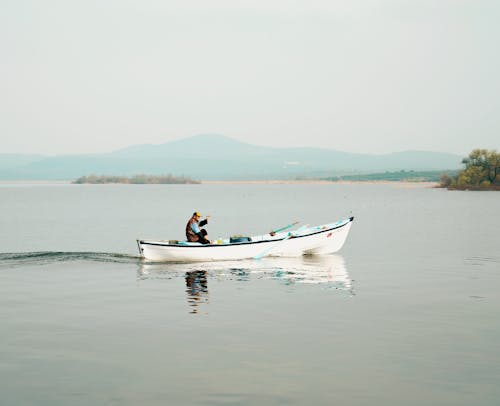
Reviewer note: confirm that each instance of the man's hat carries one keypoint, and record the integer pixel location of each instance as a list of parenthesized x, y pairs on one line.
[(197, 213)]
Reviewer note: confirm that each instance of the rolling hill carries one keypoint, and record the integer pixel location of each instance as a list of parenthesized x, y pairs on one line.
[(216, 157)]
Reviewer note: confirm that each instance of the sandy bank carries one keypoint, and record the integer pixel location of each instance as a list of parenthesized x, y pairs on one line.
[(399, 184), (321, 182)]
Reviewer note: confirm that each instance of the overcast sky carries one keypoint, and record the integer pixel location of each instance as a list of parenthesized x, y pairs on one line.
[(353, 75)]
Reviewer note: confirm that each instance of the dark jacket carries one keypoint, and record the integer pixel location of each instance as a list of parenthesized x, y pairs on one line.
[(190, 234)]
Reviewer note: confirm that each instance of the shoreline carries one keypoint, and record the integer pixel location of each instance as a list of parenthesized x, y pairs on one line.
[(406, 184), (401, 183)]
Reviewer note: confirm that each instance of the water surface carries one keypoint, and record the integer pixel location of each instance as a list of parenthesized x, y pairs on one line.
[(406, 313)]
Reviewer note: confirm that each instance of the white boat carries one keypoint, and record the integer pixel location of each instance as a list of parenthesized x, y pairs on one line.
[(318, 240)]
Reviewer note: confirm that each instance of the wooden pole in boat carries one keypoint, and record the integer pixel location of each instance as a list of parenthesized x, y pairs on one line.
[(273, 232)]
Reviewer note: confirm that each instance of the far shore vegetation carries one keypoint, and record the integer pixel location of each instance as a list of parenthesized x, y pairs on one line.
[(397, 176), (136, 179), (481, 172)]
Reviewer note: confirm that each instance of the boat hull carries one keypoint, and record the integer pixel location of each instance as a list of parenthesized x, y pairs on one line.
[(319, 240)]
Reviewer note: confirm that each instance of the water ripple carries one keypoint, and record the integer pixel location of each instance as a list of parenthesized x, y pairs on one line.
[(480, 260), (329, 271), (16, 259)]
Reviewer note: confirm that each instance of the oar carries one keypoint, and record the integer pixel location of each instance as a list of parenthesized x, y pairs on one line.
[(273, 232), (279, 242)]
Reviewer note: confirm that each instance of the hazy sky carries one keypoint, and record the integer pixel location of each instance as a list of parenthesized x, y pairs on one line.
[(353, 75)]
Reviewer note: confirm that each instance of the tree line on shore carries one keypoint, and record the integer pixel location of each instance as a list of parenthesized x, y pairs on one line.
[(136, 179), (481, 172), (395, 176)]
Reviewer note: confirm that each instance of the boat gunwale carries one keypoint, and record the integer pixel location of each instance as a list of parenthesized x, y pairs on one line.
[(159, 244)]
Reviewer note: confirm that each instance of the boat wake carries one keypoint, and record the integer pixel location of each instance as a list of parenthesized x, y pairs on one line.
[(477, 260), (329, 270), (9, 260)]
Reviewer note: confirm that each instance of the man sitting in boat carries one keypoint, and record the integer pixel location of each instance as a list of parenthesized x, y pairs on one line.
[(193, 231)]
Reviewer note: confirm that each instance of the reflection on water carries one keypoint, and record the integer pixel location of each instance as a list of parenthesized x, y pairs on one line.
[(328, 272), (196, 289)]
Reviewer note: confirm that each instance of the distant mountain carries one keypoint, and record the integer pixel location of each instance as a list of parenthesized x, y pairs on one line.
[(212, 156), (8, 161)]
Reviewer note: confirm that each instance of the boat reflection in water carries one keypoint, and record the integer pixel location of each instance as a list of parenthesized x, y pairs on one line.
[(196, 289), (328, 271)]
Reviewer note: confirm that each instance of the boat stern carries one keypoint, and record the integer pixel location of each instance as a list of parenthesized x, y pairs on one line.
[(139, 246)]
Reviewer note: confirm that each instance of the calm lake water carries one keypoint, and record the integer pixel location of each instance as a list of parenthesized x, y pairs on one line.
[(407, 313)]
